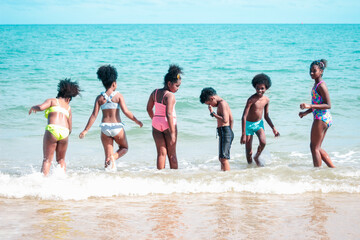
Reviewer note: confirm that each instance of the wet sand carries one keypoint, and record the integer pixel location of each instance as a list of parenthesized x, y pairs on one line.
[(192, 216)]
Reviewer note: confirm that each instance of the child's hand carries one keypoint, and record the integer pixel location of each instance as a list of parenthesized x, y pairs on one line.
[(276, 133), (305, 106), (302, 114), (210, 108), (82, 134), (139, 123), (32, 110), (243, 139)]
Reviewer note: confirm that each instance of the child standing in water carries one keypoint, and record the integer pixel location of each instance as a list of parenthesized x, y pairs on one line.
[(58, 113), (320, 105), (112, 129), (225, 123), (252, 122), (164, 119)]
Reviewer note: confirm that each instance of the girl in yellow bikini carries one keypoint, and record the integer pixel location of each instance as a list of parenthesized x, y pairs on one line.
[(58, 113)]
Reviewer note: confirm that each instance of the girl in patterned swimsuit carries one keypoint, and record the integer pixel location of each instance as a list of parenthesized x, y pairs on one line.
[(164, 119), (319, 106), (58, 113), (111, 126)]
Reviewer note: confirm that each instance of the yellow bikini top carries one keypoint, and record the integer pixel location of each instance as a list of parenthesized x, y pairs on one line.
[(57, 109)]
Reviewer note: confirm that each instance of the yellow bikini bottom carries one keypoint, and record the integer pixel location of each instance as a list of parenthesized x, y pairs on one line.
[(59, 132)]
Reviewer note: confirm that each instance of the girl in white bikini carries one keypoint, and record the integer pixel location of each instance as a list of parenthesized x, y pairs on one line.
[(112, 129)]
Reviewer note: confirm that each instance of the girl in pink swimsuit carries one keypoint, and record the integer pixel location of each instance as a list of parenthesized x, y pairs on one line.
[(319, 106), (164, 119)]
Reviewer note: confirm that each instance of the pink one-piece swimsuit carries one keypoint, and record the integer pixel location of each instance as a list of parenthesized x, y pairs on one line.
[(159, 121)]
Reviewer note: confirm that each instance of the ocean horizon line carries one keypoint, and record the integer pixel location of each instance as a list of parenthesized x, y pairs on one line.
[(47, 24)]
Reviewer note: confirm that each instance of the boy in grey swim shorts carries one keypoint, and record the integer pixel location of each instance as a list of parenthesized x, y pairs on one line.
[(225, 123)]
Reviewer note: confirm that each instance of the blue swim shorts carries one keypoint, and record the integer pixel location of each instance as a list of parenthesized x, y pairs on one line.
[(253, 127)]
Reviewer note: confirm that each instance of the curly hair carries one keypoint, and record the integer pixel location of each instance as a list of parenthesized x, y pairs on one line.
[(322, 63), (206, 93), (107, 74), (68, 89), (173, 74), (261, 79)]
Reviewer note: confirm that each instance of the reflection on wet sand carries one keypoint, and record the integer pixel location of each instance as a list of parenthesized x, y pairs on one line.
[(318, 213), (165, 218), (53, 222), (224, 221), (192, 216)]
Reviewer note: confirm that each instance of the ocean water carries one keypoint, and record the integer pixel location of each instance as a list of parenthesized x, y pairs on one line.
[(34, 57)]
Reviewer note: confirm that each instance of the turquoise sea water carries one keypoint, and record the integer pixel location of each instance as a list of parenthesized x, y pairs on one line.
[(34, 57)]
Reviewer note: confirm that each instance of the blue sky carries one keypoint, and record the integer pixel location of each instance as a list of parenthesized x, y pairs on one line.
[(178, 11)]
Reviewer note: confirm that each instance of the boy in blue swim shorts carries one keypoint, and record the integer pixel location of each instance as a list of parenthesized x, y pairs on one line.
[(252, 122), (225, 123)]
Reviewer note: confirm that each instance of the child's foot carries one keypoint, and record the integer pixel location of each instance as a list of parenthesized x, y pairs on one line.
[(110, 164), (256, 159)]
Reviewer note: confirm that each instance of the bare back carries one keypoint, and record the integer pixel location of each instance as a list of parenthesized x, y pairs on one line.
[(110, 115)]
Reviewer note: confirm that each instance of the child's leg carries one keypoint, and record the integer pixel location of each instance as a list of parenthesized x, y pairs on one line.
[(108, 148), (262, 142), (318, 132), (121, 141), (324, 156), (49, 146), (61, 152), (225, 166), (248, 148), (160, 148), (171, 148)]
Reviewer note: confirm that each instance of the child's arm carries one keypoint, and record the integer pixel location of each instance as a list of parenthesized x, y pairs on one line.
[(223, 115), (92, 118), (243, 121), (127, 112), (40, 107), (170, 101), (268, 120), (150, 105), (70, 121), (302, 114)]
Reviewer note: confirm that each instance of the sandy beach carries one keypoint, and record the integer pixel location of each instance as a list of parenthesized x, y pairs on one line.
[(190, 216)]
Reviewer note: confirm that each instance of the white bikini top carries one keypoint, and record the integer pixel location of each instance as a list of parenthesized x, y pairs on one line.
[(109, 103)]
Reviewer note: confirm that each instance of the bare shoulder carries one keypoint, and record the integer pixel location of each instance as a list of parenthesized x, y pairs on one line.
[(223, 104), (52, 101), (118, 97), (169, 96), (100, 99), (267, 99), (252, 99), (322, 87)]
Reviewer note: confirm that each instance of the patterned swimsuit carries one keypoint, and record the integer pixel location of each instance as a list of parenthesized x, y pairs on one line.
[(321, 114)]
